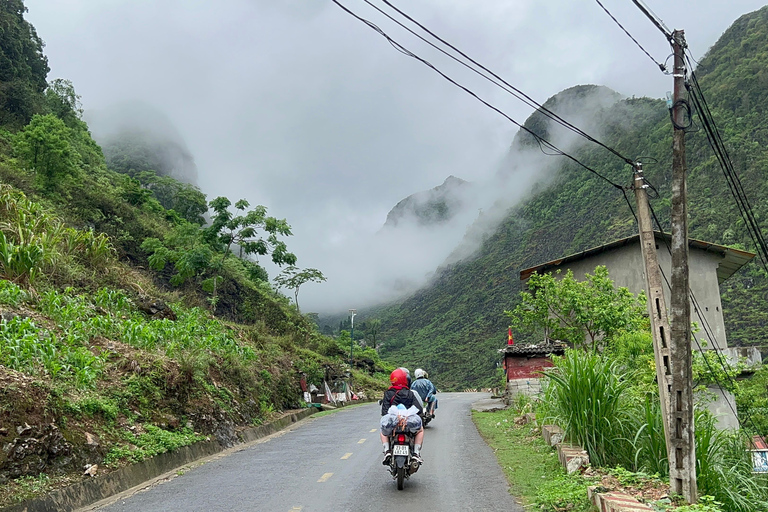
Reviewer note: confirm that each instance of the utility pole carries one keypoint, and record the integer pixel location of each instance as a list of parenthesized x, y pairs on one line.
[(682, 460), (657, 308), (352, 313)]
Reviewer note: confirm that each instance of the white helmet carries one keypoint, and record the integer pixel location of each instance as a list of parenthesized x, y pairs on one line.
[(419, 373)]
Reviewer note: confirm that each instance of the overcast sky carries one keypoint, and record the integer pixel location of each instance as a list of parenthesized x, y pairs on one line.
[(296, 105)]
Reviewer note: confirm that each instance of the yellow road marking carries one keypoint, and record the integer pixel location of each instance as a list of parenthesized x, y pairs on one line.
[(361, 441), (325, 477), (296, 509), (373, 430), (346, 456)]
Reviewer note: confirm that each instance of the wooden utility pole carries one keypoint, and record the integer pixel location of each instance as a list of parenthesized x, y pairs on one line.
[(657, 307), (682, 459)]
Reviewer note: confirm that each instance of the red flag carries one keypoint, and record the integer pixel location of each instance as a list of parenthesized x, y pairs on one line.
[(510, 341)]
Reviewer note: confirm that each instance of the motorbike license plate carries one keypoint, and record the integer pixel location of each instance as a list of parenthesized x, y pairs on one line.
[(400, 449)]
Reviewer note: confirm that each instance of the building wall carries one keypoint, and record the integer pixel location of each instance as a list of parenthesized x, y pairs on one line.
[(525, 367), (530, 387), (626, 268)]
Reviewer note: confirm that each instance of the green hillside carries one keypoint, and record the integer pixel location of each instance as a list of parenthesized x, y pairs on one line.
[(127, 327), (454, 326)]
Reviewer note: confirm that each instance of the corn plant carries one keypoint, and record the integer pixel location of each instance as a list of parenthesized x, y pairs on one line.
[(25, 347), (20, 262), (12, 294)]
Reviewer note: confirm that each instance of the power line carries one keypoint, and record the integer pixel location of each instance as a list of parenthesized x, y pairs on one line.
[(662, 67), (542, 142), (517, 92), (654, 19), (710, 334), (732, 179)]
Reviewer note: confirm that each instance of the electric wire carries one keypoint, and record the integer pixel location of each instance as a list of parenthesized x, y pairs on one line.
[(662, 66), (710, 335), (509, 88), (732, 179), (654, 19), (542, 142)]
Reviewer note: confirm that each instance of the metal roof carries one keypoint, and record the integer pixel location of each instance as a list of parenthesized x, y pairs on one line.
[(733, 259)]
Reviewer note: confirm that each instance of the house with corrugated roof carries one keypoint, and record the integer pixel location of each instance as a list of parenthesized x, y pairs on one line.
[(709, 266)]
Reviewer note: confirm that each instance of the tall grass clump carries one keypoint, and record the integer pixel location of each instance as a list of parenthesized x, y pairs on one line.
[(586, 397), (724, 467), (33, 241)]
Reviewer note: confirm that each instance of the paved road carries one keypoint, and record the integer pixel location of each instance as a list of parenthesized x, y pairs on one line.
[(333, 463)]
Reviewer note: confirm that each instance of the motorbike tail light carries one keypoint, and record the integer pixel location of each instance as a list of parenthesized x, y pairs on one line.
[(401, 438)]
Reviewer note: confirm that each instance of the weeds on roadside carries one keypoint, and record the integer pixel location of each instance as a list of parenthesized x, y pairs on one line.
[(150, 442)]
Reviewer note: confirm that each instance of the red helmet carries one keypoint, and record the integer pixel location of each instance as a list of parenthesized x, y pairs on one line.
[(399, 378)]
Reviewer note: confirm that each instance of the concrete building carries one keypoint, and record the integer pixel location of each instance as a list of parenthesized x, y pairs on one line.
[(709, 265)]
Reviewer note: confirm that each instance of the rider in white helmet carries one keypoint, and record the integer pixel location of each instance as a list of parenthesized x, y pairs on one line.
[(426, 390)]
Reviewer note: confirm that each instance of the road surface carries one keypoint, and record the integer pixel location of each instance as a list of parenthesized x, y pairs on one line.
[(333, 463)]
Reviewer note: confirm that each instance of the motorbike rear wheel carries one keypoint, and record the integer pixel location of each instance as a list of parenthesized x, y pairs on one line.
[(400, 478)]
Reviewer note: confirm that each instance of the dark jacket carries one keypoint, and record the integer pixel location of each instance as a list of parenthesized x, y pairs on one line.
[(403, 396)]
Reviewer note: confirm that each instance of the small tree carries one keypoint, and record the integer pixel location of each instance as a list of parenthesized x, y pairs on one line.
[(374, 326), (44, 145), (227, 230), (582, 313), (293, 277)]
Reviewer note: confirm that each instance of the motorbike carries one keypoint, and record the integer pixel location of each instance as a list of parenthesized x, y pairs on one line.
[(425, 418), (402, 464)]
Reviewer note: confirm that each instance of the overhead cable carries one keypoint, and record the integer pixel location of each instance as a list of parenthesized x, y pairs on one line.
[(732, 178), (654, 19), (542, 142), (509, 88), (662, 66)]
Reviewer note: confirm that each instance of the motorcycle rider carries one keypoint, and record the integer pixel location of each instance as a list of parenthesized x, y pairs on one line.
[(399, 393), (426, 390)]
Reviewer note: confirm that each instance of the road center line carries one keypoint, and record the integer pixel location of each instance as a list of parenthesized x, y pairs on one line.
[(325, 477), (361, 441), (346, 456), (374, 430), (296, 509)]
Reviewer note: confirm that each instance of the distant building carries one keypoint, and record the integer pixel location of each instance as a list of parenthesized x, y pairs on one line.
[(523, 365)]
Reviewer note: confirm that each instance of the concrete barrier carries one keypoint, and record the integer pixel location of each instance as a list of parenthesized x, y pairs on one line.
[(616, 502)]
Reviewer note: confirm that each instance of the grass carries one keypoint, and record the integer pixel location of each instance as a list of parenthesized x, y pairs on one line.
[(148, 442), (530, 465)]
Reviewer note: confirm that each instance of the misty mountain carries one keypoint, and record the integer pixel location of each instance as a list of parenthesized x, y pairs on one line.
[(430, 207), (454, 326), (136, 137)]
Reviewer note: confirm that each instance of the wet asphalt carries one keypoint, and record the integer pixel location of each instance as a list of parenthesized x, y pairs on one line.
[(333, 463)]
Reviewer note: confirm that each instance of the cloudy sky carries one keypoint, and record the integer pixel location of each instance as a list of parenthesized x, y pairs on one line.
[(296, 105)]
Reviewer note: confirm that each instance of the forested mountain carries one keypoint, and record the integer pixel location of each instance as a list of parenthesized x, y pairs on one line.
[(430, 207), (454, 326), (136, 138)]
